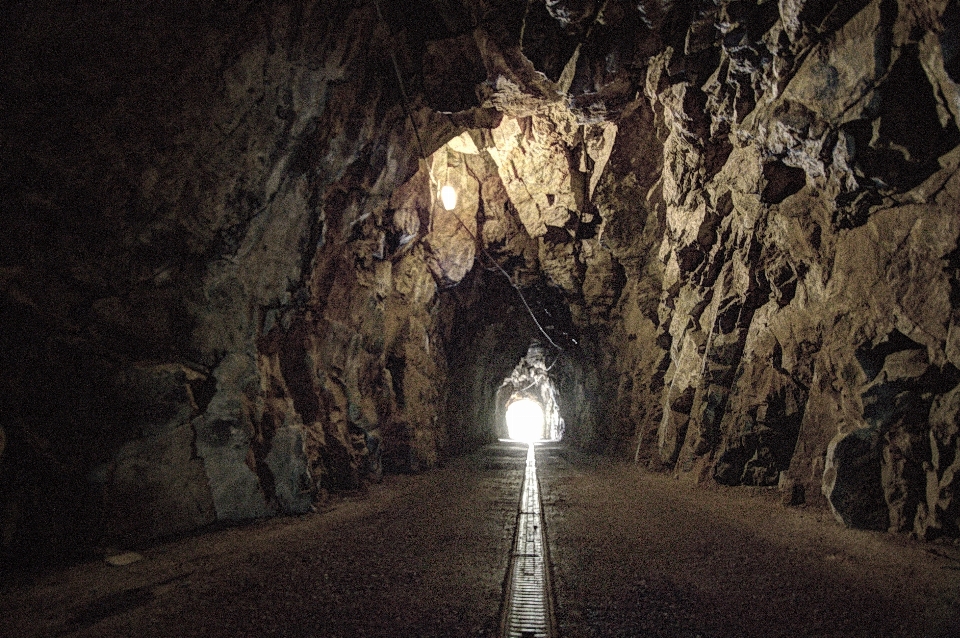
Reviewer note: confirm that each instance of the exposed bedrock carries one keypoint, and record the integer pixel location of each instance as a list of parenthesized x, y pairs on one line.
[(228, 288)]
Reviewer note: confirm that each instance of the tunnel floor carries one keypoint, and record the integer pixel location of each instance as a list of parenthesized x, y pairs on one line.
[(632, 554)]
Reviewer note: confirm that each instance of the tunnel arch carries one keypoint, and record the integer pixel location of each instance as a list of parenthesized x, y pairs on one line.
[(530, 381)]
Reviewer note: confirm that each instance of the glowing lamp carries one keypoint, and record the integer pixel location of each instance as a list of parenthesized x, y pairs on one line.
[(448, 195), (525, 421)]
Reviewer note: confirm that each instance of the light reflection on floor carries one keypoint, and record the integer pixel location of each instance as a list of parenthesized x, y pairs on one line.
[(528, 612)]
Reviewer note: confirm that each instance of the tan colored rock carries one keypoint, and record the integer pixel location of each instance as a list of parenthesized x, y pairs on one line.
[(123, 559), (726, 234), (535, 172)]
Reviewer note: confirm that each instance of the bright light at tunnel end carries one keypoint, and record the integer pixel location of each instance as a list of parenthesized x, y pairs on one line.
[(525, 421)]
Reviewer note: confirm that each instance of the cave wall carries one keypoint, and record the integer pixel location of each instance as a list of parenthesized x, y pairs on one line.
[(205, 319), (768, 293), (227, 289), (800, 293), (750, 210)]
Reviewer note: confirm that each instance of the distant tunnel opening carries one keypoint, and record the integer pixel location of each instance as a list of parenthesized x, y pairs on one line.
[(527, 405), (525, 420)]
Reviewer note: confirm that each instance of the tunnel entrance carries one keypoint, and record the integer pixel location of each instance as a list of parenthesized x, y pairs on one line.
[(527, 408), (525, 420)]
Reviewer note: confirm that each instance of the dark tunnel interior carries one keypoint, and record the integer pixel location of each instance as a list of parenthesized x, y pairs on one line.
[(715, 243)]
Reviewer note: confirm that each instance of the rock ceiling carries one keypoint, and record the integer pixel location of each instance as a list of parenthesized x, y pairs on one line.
[(228, 289)]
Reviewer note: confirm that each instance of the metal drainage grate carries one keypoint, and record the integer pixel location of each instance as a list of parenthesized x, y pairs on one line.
[(527, 612)]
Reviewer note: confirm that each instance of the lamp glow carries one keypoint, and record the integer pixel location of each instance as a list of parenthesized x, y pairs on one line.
[(448, 195), (525, 421)]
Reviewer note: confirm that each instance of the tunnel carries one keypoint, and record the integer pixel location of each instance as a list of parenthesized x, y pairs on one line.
[(439, 317), (527, 408)]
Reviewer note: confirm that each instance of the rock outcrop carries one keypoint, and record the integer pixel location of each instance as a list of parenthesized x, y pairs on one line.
[(228, 288)]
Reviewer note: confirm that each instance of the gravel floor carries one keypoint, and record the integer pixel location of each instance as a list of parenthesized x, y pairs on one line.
[(419, 555), (634, 554), (639, 554)]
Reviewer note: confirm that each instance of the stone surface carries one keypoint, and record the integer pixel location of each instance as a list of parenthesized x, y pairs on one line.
[(123, 559), (227, 277), (155, 488)]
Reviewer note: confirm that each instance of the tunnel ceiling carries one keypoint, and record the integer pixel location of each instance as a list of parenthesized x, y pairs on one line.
[(227, 288)]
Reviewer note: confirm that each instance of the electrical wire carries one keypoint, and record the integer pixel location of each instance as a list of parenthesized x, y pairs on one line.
[(396, 69)]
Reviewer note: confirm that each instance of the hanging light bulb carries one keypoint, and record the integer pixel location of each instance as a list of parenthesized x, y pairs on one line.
[(448, 195)]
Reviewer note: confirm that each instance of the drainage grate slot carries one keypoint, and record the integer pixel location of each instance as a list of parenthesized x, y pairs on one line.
[(527, 609)]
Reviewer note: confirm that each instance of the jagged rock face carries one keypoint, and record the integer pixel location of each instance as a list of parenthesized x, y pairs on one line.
[(228, 287), (789, 248)]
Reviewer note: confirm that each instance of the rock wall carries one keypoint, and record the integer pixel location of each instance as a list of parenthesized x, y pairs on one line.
[(228, 289), (800, 293), (749, 208), (205, 319)]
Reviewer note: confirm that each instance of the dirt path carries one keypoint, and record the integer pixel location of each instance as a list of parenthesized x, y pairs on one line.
[(419, 556), (639, 554), (633, 554)]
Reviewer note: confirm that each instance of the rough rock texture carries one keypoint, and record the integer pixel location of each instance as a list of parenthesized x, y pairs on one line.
[(227, 287), (805, 304), (199, 304)]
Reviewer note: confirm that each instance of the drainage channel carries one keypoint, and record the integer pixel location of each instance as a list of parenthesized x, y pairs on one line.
[(528, 612)]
